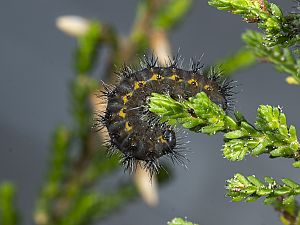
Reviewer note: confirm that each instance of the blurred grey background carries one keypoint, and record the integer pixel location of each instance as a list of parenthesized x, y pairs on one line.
[(35, 65)]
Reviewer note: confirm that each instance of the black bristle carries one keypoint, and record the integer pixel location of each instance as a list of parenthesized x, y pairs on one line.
[(174, 61), (129, 163), (197, 64), (99, 122), (152, 166), (149, 61)]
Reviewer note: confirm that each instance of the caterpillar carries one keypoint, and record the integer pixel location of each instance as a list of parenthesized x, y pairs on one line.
[(137, 133)]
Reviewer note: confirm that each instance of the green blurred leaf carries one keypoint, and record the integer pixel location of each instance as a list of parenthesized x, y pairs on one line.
[(180, 221), (86, 52), (8, 212), (171, 13)]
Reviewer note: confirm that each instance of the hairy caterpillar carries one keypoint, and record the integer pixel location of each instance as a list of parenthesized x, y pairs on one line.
[(135, 131)]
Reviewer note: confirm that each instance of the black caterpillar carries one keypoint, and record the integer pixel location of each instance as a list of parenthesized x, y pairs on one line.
[(133, 129)]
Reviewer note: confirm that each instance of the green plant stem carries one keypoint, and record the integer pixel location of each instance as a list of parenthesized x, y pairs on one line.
[(283, 58), (250, 189), (281, 196), (280, 35), (90, 206), (288, 214), (270, 134), (56, 173), (67, 177), (241, 59), (268, 16), (156, 15), (8, 212)]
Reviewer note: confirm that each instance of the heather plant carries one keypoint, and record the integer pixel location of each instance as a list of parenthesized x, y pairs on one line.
[(277, 42), (76, 165)]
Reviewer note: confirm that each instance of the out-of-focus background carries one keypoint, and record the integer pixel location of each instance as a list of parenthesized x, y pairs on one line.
[(35, 65)]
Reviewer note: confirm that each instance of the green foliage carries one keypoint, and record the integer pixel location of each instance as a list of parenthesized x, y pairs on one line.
[(61, 142), (270, 134), (171, 13), (180, 221), (210, 118), (87, 48), (82, 88), (248, 9), (58, 162), (241, 59), (156, 16), (8, 213), (93, 205), (268, 16), (289, 214), (250, 189), (67, 196), (283, 58), (293, 24), (281, 33), (281, 195)]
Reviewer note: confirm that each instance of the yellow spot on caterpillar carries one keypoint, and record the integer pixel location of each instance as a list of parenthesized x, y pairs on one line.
[(126, 97), (207, 87), (122, 113), (193, 82), (128, 126), (162, 140), (139, 84), (156, 77), (175, 77)]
